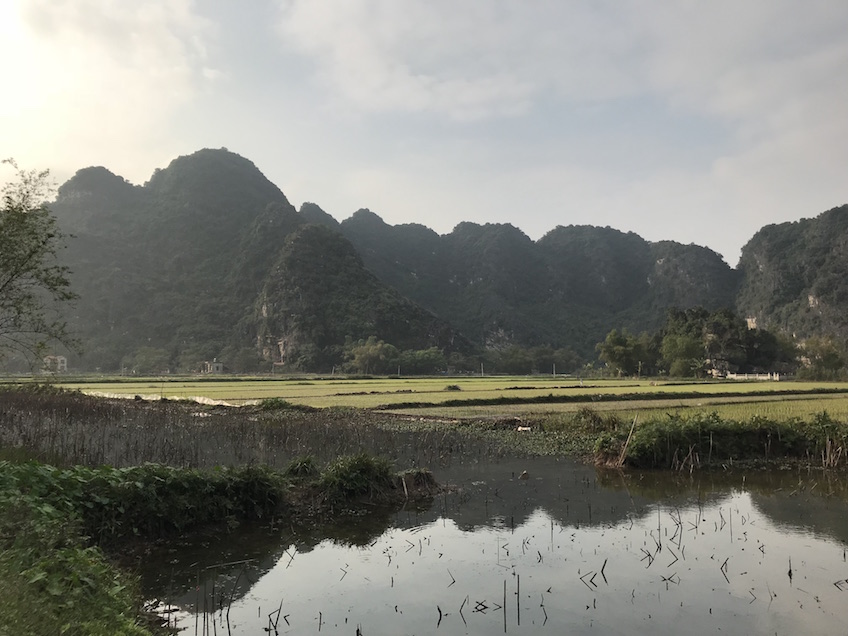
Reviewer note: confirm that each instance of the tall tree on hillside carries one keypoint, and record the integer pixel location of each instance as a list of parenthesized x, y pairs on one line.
[(33, 283)]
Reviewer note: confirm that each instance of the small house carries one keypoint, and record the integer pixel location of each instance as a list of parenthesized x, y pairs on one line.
[(55, 364), (212, 367)]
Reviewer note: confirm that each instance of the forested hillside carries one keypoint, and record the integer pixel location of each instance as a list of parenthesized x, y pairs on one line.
[(208, 259), (566, 290), (169, 274), (795, 281)]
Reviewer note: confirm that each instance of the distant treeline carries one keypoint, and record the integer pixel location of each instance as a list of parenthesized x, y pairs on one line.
[(697, 343)]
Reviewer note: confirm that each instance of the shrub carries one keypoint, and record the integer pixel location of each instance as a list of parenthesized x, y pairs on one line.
[(354, 476), (50, 581), (275, 404), (302, 468)]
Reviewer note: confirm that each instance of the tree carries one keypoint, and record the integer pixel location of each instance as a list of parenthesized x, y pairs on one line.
[(622, 352), (147, 361), (422, 361), (822, 359), (33, 283), (372, 356), (683, 354)]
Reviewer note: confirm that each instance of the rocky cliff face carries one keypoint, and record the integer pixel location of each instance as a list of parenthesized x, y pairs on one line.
[(795, 276), (209, 259), (567, 289), (176, 268)]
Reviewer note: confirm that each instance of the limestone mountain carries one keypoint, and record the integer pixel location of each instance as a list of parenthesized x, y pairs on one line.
[(169, 273), (318, 295), (568, 289), (795, 276), (209, 259)]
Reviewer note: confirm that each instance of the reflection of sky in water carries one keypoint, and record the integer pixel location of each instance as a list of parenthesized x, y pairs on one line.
[(668, 571)]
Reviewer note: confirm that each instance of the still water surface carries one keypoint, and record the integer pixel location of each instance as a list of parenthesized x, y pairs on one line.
[(566, 550)]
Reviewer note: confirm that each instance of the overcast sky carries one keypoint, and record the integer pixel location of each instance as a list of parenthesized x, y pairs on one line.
[(694, 121)]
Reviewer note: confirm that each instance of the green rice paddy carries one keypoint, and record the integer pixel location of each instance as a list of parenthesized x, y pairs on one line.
[(461, 397)]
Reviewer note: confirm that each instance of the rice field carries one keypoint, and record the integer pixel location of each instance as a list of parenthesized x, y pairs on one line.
[(512, 397), (428, 393), (737, 407)]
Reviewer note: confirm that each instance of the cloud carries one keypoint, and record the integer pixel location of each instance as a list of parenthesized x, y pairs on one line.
[(483, 58), (687, 120), (98, 71)]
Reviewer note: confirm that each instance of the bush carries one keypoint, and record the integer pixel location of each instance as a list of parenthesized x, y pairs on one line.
[(149, 500), (355, 476), (50, 581), (275, 404), (667, 442), (302, 468)]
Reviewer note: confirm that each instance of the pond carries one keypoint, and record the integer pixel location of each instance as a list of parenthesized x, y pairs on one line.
[(560, 548)]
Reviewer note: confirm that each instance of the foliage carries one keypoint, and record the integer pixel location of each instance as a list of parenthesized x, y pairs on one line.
[(695, 342), (302, 468), (422, 361), (50, 580), (274, 404), (147, 361), (622, 352), (371, 356), (354, 476), (33, 282), (823, 360), (150, 500), (677, 441)]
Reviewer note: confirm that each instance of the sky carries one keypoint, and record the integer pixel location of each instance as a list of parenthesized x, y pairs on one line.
[(691, 121)]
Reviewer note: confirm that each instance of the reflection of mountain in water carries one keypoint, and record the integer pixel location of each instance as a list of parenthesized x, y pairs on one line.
[(492, 494), (804, 500), (241, 556)]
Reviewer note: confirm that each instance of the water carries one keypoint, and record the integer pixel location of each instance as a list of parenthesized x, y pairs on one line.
[(566, 550)]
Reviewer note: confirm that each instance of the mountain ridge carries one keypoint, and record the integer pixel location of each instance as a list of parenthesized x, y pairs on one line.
[(182, 264)]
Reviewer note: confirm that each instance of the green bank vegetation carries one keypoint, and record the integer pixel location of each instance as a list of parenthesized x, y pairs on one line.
[(59, 524), (689, 442), (61, 527)]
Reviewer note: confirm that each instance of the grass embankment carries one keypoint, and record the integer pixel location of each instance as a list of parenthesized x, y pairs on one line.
[(57, 527), (69, 428), (688, 442)]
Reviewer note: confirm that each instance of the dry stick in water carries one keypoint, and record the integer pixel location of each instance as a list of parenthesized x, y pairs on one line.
[(518, 599), (233, 595), (504, 606), (623, 455)]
